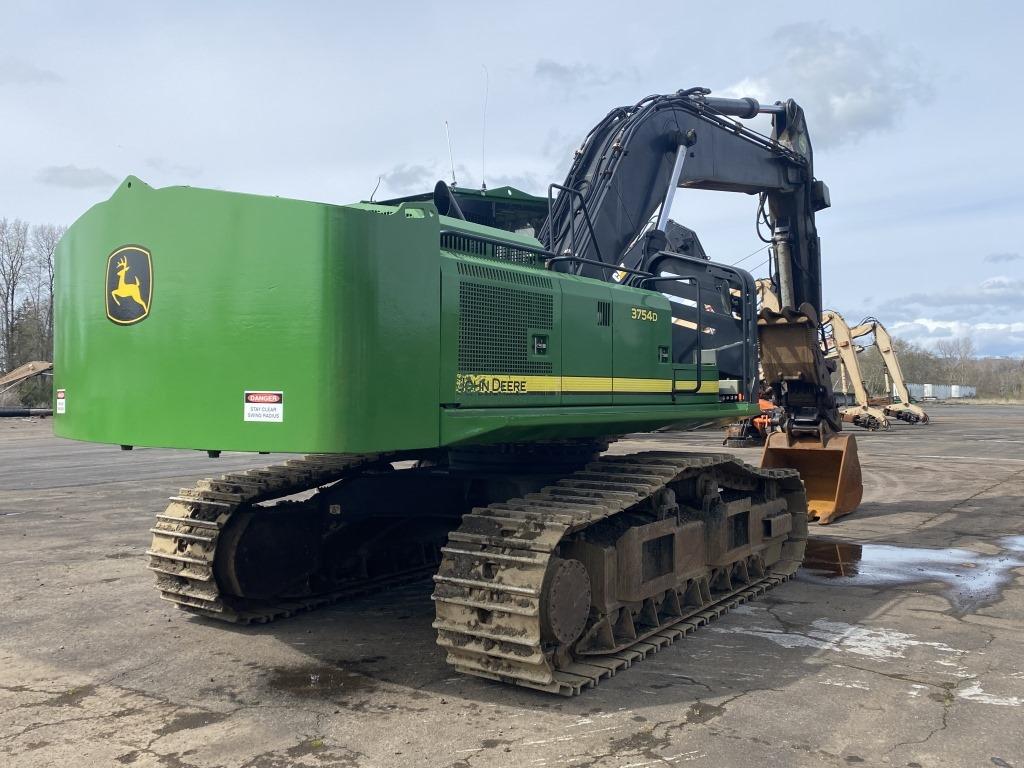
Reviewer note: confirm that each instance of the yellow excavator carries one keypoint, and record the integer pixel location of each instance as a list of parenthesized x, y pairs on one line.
[(901, 408), (842, 349), (18, 376), (839, 346), (868, 412)]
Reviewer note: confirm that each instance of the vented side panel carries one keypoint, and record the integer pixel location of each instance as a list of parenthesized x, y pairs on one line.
[(451, 241), (494, 326), (509, 276)]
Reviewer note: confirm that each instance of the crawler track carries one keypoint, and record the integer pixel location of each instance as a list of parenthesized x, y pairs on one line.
[(489, 589), (186, 537), (490, 586)]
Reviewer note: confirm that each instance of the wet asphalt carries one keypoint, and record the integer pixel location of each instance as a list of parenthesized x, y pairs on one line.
[(899, 644)]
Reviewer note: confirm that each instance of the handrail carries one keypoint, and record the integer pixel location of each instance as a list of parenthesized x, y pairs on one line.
[(572, 218), (582, 260)]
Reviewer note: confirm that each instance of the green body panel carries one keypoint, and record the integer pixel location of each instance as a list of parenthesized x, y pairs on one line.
[(378, 337), (593, 359)]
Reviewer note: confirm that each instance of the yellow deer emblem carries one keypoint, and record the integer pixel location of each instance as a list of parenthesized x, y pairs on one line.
[(126, 290)]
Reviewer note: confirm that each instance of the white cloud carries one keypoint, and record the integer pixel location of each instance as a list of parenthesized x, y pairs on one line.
[(990, 338), (417, 178), (73, 177), (173, 169), (525, 182), (406, 179), (18, 72), (575, 77), (998, 258), (849, 82), (993, 298)]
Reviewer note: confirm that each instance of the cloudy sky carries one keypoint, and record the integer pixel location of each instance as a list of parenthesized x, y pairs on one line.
[(915, 110)]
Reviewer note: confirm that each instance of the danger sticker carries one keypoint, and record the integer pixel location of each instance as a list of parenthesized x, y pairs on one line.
[(264, 406), (62, 401)]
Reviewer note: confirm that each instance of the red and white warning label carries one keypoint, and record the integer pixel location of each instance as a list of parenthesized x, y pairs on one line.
[(264, 406), (62, 401)]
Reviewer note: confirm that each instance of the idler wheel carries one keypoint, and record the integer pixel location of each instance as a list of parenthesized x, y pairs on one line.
[(565, 601)]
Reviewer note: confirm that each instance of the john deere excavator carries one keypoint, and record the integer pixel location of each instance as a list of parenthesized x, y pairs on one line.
[(455, 384)]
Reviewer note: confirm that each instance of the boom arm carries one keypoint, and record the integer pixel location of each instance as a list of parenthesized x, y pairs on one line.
[(884, 343), (863, 414), (631, 163), (629, 168), (905, 409), (27, 371)]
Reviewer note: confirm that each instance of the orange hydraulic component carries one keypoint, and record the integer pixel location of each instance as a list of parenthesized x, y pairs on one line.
[(764, 421), (830, 471)]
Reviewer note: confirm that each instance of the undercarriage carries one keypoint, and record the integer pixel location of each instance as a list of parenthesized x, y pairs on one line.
[(554, 567)]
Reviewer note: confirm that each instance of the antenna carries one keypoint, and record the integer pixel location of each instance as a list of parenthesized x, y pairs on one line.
[(375, 188), (483, 136), (451, 157)]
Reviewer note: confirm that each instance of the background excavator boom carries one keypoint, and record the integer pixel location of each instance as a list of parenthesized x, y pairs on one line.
[(904, 409), (863, 414)]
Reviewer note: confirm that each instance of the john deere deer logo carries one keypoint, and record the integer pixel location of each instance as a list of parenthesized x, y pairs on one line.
[(129, 284)]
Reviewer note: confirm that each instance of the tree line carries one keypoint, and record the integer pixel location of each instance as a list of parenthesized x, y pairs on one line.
[(26, 302), (26, 329), (952, 361)]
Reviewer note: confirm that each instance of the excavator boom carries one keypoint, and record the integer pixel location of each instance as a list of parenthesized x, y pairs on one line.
[(863, 414), (628, 170), (904, 410), (23, 373)]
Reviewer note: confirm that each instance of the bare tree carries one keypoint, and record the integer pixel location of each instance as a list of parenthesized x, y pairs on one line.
[(13, 264), (958, 356), (45, 238)]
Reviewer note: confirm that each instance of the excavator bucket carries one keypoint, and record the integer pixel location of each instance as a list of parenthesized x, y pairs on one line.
[(831, 472)]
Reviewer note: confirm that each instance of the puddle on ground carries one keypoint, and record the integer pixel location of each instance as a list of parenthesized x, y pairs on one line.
[(322, 681), (972, 579)]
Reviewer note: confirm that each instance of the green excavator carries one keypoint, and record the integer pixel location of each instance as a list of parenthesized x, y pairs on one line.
[(452, 367)]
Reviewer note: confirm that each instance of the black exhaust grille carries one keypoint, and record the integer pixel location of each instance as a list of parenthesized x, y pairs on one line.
[(494, 273), (494, 326)]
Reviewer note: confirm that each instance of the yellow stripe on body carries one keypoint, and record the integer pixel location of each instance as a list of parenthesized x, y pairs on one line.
[(504, 384), (587, 383)]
